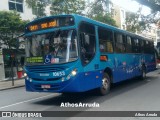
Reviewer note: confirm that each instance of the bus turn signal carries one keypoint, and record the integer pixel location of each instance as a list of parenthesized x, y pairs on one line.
[(103, 58)]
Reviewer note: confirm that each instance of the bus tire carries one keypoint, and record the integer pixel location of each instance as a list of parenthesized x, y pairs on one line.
[(106, 83), (143, 73)]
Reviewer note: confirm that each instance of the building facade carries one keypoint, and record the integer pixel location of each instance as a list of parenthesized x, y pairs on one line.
[(18, 5), (119, 15)]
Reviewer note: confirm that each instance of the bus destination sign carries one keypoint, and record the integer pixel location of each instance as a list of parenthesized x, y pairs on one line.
[(43, 25), (48, 23)]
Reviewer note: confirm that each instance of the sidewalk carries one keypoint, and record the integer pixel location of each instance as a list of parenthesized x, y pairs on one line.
[(7, 84)]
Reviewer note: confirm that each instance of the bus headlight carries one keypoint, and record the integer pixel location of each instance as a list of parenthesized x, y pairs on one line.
[(72, 74), (30, 79), (25, 74)]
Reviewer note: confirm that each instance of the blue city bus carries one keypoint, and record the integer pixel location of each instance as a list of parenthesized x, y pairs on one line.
[(72, 53)]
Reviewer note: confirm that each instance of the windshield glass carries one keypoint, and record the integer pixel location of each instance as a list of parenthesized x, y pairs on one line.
[(50, 48)]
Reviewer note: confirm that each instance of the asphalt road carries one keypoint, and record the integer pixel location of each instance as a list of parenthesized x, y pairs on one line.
[(132, 95)]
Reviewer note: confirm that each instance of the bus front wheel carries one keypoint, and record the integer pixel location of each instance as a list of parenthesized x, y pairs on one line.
[(106, 82)]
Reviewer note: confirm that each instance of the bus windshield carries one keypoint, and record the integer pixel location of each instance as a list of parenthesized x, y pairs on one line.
[(50, 48)]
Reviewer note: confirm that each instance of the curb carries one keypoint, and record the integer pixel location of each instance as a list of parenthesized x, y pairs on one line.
[(11, 87)]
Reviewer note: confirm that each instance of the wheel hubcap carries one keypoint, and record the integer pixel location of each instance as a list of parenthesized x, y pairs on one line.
[(105, 83)]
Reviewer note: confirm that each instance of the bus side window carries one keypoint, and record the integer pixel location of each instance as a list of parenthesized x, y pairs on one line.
[(105, 40), (136, 45), (128, 45), (88, 42), (141, 46), (146, 47), (151, 47), (119, 43)]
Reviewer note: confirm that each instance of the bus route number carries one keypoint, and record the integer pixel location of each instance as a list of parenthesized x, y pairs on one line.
[(59, 73)]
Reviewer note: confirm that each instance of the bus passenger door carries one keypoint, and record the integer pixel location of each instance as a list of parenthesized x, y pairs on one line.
[(120, 57), (88, 53)]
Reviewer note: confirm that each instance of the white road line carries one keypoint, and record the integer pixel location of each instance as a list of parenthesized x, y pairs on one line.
[(25, 101)]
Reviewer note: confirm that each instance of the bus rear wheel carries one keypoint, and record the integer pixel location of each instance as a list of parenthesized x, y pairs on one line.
[(106, 83)]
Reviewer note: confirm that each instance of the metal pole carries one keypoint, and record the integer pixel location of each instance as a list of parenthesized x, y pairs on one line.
[(12, 71)]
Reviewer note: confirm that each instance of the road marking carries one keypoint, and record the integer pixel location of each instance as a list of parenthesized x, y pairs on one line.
[(25, 101)]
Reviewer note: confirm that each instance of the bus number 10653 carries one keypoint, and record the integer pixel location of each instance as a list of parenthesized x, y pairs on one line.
[(59, 73)]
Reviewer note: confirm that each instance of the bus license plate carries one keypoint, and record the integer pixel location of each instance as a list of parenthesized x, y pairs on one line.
[(45, 86)]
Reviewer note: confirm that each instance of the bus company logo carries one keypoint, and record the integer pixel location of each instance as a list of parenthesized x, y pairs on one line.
[(44, 74), (6, 114)]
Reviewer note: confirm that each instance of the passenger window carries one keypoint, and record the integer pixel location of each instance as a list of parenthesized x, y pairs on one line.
[(142, 45), (119, 43), (105, 40), (149, 47), (128, 45), (87, 42), (136, 45), (146, 46)]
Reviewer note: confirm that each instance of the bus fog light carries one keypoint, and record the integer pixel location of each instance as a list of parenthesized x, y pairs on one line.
[(27, 78), (30, 79), (68, 77), (62, 79)]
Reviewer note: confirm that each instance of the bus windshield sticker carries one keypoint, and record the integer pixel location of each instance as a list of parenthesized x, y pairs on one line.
[(48, 59), (55, 60), (34, 59)]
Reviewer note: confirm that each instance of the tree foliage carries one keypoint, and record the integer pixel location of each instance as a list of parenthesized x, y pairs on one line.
[(38, 6), (135, 22), (11, 25), (105, 18), (99, 10), (98, 7), (154, 5), (67, 6)]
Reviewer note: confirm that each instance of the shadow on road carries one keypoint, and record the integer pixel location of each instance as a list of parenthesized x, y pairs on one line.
[(92, 96)]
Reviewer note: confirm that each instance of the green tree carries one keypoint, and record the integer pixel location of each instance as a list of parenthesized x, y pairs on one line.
[(135, 22), (11, 25), (99, 10), (67, 6), (98, 7), (38, 7), (154, 5), (105, 18)]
